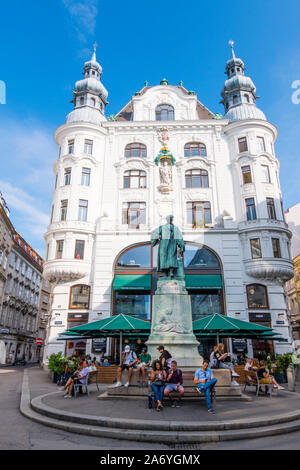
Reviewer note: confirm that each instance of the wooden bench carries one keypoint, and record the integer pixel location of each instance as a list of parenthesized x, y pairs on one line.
[(251, 380), (104, 375)]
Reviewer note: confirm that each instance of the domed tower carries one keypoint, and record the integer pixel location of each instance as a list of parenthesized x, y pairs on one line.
[(77, 204), (263, 232), (239, 92)]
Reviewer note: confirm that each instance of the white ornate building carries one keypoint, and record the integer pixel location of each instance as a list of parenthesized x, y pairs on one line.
[(221, 184)]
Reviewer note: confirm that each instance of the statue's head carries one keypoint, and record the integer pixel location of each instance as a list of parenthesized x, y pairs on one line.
[(170, 219)]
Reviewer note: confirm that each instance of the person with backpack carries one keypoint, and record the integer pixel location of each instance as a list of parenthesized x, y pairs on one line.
[(129, 360)]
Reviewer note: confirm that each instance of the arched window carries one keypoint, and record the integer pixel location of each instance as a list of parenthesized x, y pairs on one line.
[(195, 149), (196, 179), (257, 296), (81, 101), (164, 112), (93, 102), (134, 179), (136, 150), (80, 297)]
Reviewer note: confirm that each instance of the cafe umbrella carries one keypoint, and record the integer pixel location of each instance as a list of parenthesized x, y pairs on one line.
[(117, 325), (222, 325)]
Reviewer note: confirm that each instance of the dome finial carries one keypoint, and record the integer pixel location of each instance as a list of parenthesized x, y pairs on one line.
[(95, 45), (231, 43)]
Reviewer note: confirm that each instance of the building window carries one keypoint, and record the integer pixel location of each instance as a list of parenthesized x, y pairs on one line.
[(247, 98), (85, 176), (265, 174), (246, 172), (164, 112), (134, 214), (257, 296), (196, 179), (136, 150), (63, 209), (18, 261), (261, 144), (235, 99), (88, 146), (79, 249), (271, 208), (243, 146), (71, 146), (136, 257), (198, 214), (195, 149), (134, 179), (276, 247), (67, 176), (11, 259), (56, 176), (255, 248), (59, 249), (93, 102), (135, 304), (81, 101), (79, 297), (82, 210), (250, 208)]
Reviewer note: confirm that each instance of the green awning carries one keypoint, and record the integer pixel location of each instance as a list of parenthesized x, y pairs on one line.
[(132, 282), (203, 281)]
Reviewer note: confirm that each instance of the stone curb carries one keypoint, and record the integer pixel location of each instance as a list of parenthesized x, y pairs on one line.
[(111, 427)]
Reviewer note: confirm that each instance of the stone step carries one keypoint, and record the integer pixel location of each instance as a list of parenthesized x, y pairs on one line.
[(162, 435), (143, 391)]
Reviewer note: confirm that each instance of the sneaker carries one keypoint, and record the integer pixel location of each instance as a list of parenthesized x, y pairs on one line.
[(178, 404), (68, 396), (211, 410), (118, 384), (234, 374), (280, 387), (127, 384), (235, 384)]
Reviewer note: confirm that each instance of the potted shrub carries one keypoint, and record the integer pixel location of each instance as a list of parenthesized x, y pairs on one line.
[(282, 363), (56, 365)]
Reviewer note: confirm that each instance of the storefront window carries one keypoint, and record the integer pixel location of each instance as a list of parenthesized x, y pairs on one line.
[(80, 297), (195, 257), (137, 257), (134, 304), (257, 296), (205, 303)]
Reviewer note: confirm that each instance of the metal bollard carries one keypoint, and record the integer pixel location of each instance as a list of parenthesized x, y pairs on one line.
[(291, 378)]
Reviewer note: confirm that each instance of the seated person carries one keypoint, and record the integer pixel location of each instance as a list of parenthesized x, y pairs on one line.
[(205, 381), (78, 376), (143, 362), (264, 377), (222, 361), (165, 358), (129, 360), (158, 378), (248, 364), (174, 383)]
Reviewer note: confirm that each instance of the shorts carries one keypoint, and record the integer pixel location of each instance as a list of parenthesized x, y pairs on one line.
[(171, 387), (264, 381), (142, 364), (126, 366)]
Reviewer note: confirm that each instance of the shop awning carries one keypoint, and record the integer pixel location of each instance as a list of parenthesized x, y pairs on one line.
[(203, 281), (132, 282)]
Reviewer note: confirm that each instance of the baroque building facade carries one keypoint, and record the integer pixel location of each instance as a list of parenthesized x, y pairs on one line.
[(117, 178)]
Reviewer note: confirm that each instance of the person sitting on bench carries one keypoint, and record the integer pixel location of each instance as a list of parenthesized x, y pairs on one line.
[(205, 381), (78, 376), (129, 360), (174, 383)]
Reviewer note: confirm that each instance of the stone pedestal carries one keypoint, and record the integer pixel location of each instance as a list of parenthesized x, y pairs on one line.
[(172, 323)]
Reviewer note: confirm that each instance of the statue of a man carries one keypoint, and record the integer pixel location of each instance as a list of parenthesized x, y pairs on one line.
[(171, 245)]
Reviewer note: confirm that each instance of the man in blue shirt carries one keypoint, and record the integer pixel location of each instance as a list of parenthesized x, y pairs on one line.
[(205, 381)]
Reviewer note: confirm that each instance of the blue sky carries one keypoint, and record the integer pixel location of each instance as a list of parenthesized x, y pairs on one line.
[(44, 45)]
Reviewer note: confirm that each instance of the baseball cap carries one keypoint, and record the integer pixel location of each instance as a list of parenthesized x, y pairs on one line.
[(127, 348)]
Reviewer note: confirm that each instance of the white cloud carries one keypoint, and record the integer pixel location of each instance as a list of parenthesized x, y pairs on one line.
[(83, 15)]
